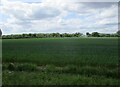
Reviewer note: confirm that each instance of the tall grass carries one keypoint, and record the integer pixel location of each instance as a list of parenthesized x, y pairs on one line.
[(78, 51), (60, 61)]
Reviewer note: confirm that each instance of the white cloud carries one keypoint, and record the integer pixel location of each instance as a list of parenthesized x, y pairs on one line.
[(54, 17), (43, 13)]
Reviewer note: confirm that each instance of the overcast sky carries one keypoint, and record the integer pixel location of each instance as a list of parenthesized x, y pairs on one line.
[(63, 16)]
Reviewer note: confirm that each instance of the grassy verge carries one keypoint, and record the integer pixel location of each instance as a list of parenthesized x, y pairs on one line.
[(61, 61), (49, 78)]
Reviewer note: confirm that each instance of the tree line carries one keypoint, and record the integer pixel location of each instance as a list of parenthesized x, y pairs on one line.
[(51, 35), (96, 34), (41, 35)]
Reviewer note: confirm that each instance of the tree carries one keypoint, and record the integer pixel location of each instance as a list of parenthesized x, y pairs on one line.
[(0, 33), (30, 35), (118, 33), (88, 34), (78, 34), (95, 34)]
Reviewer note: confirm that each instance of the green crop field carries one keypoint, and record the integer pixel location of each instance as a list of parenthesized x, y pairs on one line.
[(60, 61)]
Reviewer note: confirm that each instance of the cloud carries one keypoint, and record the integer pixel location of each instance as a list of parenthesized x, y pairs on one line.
[(43, 13), (96, 0), (58, 16)]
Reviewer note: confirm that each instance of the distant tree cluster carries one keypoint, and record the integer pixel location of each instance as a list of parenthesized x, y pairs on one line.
[(96, 34), (0, 33), (50, 35), (41, 35)]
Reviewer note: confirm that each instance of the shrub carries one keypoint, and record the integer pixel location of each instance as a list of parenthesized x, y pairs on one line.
[(11, 66), (26, 67)]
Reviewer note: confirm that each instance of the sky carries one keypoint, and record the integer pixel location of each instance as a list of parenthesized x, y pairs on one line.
[(62, 16)]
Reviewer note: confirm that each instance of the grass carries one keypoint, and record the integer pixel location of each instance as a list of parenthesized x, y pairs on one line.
[(43, 78), (89, 61)]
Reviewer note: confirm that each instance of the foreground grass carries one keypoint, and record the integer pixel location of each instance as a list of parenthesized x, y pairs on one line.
[(61, 61), (43, 78), (70, 69), (62, 51)]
